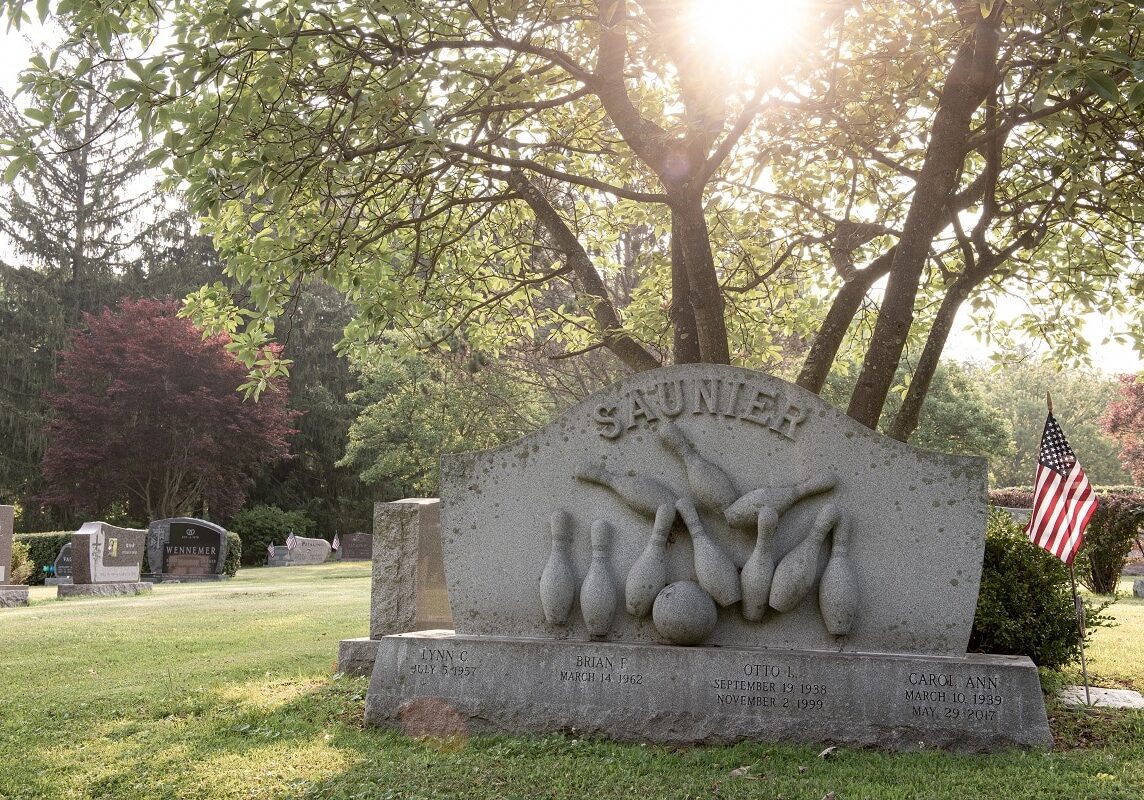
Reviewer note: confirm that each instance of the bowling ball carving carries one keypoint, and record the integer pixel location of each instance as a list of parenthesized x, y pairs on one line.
[(683, 613)]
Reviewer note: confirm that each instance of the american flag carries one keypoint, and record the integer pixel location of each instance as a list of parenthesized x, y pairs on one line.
[(270, 549), (291, 541), (336, 543), (1063, 499)]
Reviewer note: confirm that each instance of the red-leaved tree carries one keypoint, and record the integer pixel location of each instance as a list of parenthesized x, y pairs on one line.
[(1124, 421), (148, 416)]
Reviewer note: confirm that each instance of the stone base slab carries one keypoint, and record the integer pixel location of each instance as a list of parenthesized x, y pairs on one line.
[(103, 589), (439, 683), (1104, 698), (57, 581), (165, 577), (12, 596), (356, 656)]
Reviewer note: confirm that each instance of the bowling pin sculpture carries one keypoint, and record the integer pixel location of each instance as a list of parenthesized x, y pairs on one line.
[(755, 579), (598, 595), (558, 581), (649, 574), (711, 488), (838, 589), (744, 512), (642, 494), (795, 574), (714, 570)]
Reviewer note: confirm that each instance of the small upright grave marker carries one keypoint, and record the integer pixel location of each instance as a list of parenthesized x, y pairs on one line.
[(10, 594), (356, 547), (280, 557), (61, 567), (106, 560)]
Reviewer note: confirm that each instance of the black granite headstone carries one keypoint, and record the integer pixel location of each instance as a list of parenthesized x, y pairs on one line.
[(186, 547), (63, 562), (357, 547)]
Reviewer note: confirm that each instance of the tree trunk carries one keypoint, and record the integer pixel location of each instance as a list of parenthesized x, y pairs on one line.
[(824, 349), (706, 296), (970, 80), (685, 336), (908, 416)]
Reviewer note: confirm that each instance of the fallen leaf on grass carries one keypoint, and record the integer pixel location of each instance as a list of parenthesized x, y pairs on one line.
[(739, 772), (828, 752), (801, 769), (828, 796)]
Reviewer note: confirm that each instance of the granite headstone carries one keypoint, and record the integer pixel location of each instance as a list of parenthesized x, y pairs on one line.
[(10, 595), (280, 556), (7, 536), (184, 547), (106, 560), (356, 547), (307, 551), (61, 567), (704, 553), (408, 589)]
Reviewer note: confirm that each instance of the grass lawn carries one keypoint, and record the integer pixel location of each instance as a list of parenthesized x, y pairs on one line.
[(228, 690)]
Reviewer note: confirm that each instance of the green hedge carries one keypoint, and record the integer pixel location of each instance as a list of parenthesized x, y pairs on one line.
[(1114, 528), (1025, 606), (262, 526), (233, 553), (42, 550)]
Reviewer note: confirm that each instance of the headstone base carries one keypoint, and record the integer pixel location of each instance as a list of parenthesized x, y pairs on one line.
[(356, 656), (57, 581), (12, 596), (168, 578), (103, 589), (439, 683)]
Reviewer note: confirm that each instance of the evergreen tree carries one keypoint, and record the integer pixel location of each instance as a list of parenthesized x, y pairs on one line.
[(87, 227)]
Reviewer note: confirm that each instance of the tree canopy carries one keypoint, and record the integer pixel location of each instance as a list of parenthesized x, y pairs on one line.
[(86, 228), (148, 418), (583, 175), (1124, 421)]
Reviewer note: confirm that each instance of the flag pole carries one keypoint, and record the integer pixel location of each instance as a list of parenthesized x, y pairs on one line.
[(1078, 604)]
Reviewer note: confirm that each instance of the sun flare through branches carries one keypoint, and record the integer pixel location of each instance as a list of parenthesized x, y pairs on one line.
[(740, 35)]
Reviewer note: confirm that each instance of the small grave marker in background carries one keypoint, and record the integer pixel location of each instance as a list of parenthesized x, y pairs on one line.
[(10, 595), (356, 547)]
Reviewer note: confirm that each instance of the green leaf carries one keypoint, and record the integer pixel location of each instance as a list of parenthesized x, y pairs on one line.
[(13, 170), (38, 115), (1103, 85), (1137, 96)]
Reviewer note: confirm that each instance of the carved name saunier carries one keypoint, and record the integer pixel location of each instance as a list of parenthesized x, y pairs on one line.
[(718, 397)]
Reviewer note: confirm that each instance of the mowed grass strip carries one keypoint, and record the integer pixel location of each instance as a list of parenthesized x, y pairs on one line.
[(228, 690)]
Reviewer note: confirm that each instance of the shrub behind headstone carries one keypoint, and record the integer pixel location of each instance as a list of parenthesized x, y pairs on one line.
[(22, 567), (261, 526), (1114, 528), (42, 550), (1025, 606), (233, 554)]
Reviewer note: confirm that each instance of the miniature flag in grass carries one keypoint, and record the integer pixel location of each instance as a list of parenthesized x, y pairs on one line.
[(291, 541), (1063, 499), (336, 544)]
